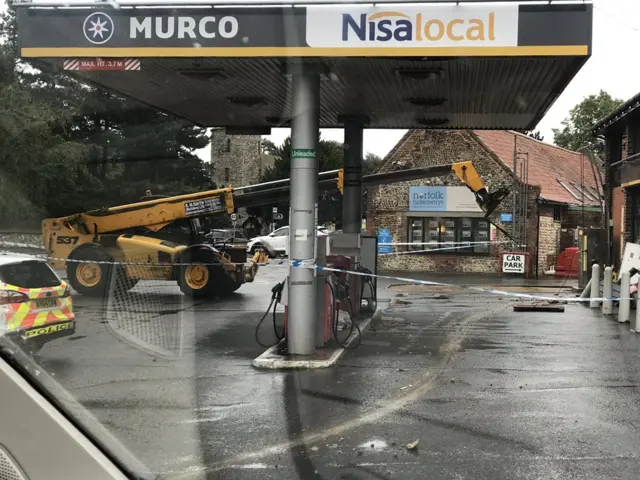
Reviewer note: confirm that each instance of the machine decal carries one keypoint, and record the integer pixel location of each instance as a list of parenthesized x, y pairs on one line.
[(203, 206)]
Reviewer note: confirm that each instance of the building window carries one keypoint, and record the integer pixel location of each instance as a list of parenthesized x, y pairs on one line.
[(449, 235), (557, 213), (227, 175), (228, 147)]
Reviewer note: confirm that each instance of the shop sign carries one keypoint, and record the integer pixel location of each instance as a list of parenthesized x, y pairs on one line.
[(384, 236), (413, 26), (506, 218), (513, 262), (455, 29), (442, 199)]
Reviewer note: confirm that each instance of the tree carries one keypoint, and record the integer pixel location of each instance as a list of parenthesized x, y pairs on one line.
[(536, 134), (577, 129), (370, 163), (67, 146), (330, 155)]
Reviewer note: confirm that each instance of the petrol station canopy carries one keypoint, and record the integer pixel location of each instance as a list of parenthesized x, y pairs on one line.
[(481, 65)]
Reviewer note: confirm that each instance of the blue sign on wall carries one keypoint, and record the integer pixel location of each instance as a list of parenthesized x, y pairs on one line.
[(384, 236), (427, 199), (506, 217)]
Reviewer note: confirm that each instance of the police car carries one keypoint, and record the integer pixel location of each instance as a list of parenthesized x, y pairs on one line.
[(35, 304)]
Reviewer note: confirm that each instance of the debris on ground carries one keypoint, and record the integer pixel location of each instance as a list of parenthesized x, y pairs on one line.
[(402, 302), (439, 296), (413, 445), (538, 307)]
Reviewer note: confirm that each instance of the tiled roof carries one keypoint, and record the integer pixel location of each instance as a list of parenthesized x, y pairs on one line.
[(556, 170)]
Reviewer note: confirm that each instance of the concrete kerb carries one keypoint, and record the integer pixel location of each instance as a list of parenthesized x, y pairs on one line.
[(270, 360)]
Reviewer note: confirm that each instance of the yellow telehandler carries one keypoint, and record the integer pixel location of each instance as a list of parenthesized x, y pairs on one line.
[(160, 238)]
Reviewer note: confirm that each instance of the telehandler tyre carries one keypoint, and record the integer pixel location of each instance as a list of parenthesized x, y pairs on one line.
[(86, 277), (197, 279)]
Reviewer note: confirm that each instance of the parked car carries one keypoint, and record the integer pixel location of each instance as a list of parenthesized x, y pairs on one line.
[(35, 304), (226, 236), (276, 242)]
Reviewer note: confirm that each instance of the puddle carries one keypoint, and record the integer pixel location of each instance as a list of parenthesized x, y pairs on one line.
[(374, 444)]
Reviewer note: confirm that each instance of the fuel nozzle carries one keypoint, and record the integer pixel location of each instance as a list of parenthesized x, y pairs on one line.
[(276, 291)]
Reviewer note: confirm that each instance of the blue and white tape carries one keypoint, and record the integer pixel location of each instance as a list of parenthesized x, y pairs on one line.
[(306, 264), (312, 264)]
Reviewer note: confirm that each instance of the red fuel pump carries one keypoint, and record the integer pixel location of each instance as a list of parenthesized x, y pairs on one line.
[(354, 282), (327, 319)]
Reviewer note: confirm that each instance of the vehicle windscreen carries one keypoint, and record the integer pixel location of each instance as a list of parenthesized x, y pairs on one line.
[(442, 199), (28, 274)]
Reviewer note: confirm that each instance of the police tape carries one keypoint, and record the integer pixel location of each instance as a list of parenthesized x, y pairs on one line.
[(414, 252), (497, 242), (304, 264), (311, 264)]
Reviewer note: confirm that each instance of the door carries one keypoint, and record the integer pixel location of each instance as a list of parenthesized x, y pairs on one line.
[(280, 239)]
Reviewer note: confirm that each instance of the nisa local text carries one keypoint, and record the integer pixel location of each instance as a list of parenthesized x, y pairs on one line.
[(385, 26)]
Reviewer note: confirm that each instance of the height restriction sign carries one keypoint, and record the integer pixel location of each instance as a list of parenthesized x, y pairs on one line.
[(101, 64)]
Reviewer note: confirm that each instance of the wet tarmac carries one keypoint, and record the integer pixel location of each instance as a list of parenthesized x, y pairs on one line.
[(488, 393)]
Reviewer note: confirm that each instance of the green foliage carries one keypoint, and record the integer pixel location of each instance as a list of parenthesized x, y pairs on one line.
[(67, 147), (371, 163), (330, 155), (536, 134), (577, 130)]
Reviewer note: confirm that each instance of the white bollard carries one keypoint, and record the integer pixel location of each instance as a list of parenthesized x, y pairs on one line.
[(595, 285), (624, 307), (635, 322), (607, 292)]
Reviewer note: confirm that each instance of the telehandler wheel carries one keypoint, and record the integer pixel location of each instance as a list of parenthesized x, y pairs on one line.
[(87, 278), (225, 285), (197, 279)]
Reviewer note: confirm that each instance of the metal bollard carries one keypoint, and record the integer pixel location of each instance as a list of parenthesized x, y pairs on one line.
[(624, 307), (607, 292), (595, 285), (635, 322)]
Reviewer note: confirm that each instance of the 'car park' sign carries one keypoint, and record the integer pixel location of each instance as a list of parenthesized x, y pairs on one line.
[(513, 263)]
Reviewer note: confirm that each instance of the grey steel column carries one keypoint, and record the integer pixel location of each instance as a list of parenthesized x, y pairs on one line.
[(352, 196), (305, 106)]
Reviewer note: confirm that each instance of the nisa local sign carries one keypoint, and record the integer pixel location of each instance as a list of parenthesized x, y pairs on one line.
[(414, 26), (385, 26)]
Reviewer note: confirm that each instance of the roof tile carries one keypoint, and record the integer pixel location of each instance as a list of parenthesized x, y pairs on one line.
[(548, 165)]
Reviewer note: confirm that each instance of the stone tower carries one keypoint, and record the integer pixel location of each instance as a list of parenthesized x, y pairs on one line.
[(236, 160)]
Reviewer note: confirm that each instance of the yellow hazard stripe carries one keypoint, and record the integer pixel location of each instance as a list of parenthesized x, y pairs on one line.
[(545, 50), (41, 319)]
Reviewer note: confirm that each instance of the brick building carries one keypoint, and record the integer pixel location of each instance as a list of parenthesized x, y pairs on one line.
[(554, 192), (621, 133), (237, 160)]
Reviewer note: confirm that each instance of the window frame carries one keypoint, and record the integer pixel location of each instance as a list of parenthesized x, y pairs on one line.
[(459, 251)]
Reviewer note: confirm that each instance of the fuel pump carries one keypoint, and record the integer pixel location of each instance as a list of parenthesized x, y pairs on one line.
[(341, 295)]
